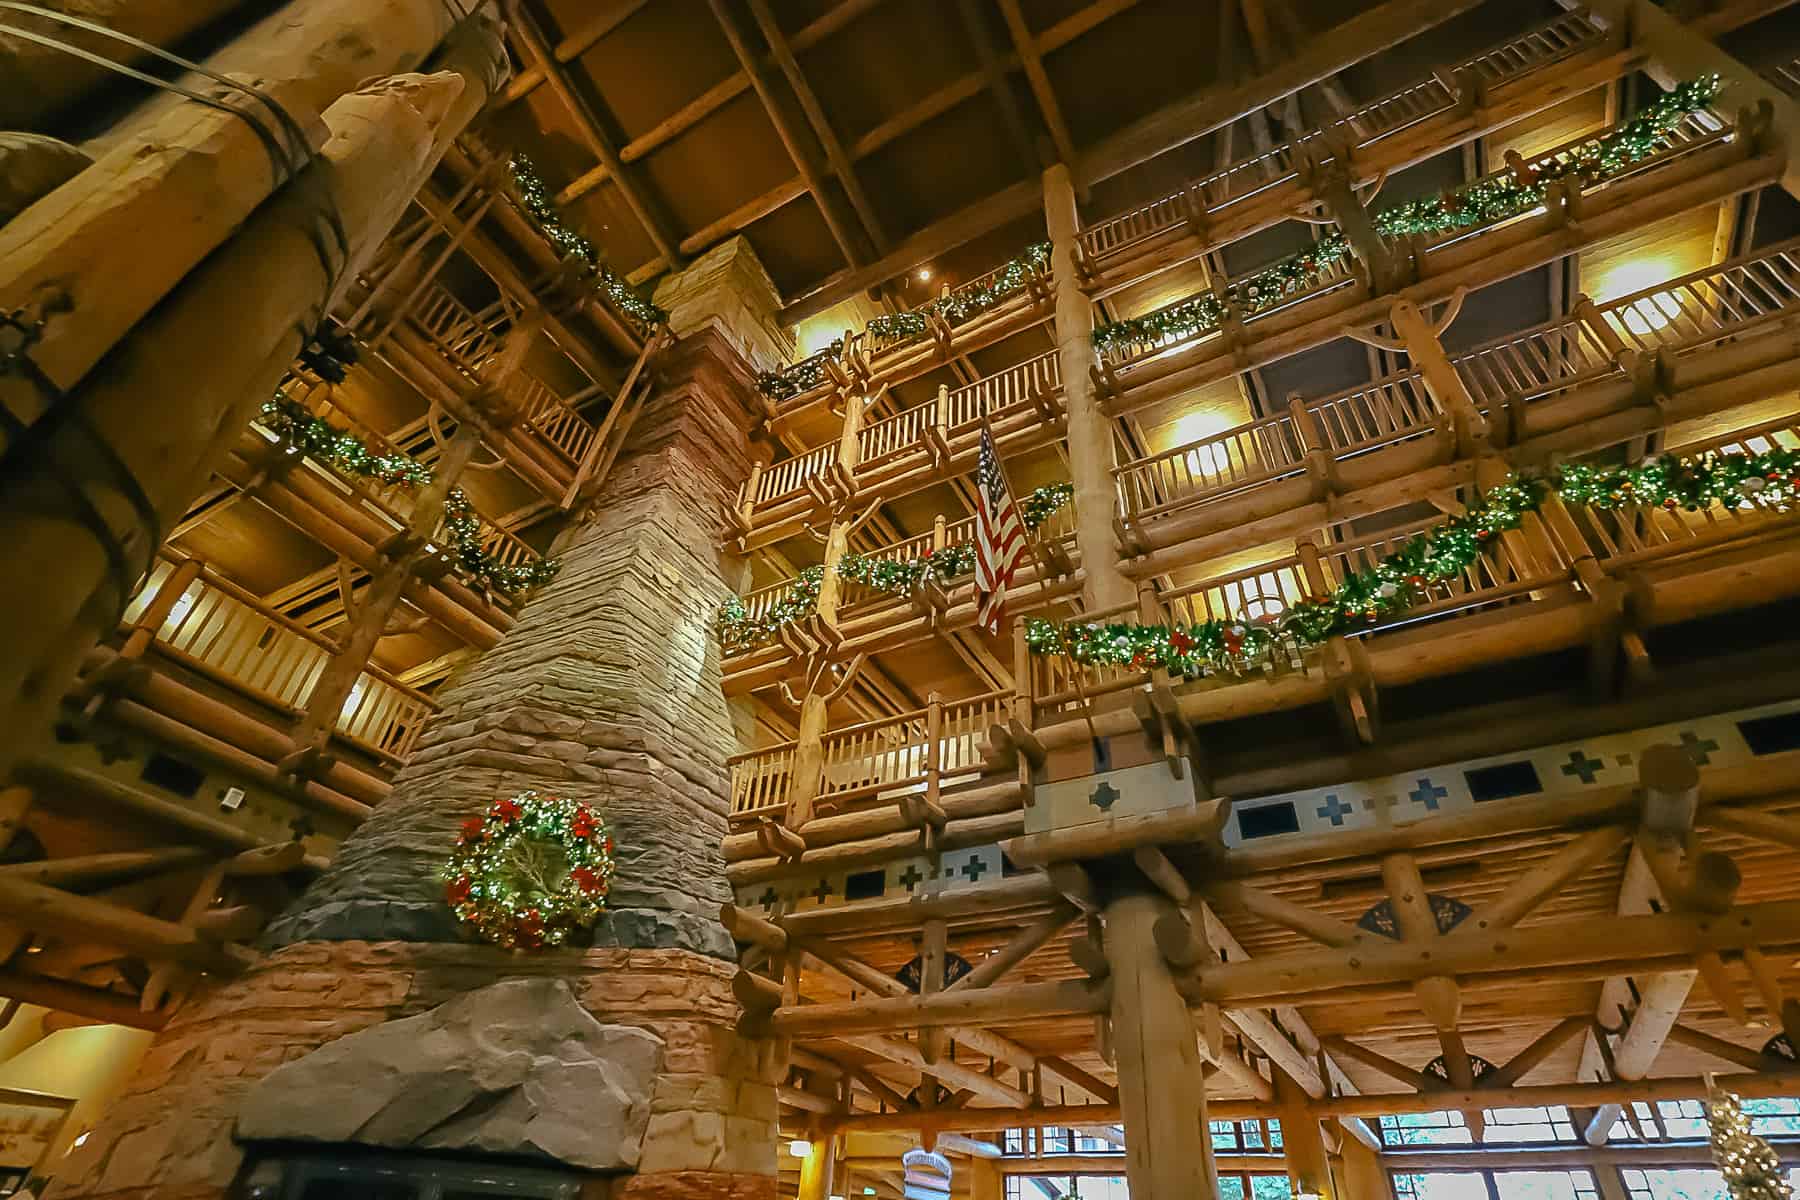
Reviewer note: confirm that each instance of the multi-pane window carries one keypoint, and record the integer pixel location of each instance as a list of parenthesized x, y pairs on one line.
[(1489, 1184), (1066, 1187), (1685, 1120), (1542, 1125), (1425, 1129), (1037, 1142), (1673, 1183), (1250, 1136), (1243, 1186)]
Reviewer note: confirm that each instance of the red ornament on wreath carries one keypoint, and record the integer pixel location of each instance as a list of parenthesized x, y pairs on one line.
[(532, 872)]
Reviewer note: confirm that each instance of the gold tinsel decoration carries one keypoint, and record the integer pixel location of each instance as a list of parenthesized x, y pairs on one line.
[(1751, 1169)]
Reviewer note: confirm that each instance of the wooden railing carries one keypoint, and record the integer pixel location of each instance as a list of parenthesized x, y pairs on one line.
[(1528, 366), (760, 781), (893, 443), (876, 761), (229, 635), (1691, 312), (1214, 466), (1711, 304), (464, 338), (1531, 51), (545, 411)]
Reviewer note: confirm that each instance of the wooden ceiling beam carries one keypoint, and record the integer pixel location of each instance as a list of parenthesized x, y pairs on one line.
[(611, 15), (83, 1000), (1033, 62), (644, 206), (802, 159), (821, 125), (993, 72), (1175, 125), (901, 123)]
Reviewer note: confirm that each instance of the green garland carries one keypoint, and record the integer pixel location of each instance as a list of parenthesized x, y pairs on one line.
[(534, 870), (346, 453), (899, 328), (539, 203), (739, 631), (966, 302), (1402, 579), (802, 376), (1483, 202)]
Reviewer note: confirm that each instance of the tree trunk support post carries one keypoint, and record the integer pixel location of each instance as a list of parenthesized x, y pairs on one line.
[(1162, 1091), (1090, 430)]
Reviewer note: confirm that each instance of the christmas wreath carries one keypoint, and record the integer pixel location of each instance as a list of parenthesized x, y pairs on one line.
[(532, 871)]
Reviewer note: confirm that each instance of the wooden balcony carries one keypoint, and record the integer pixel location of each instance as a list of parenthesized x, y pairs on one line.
[(1514, 79), (1704, 161), (907, 451), (1523, 383), (894, 357), (226, 634), (1524, 595), (1569, 386), (876, 764)]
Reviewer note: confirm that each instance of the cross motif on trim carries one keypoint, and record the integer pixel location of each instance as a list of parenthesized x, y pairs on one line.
[(1335, 810), (1582, 767)]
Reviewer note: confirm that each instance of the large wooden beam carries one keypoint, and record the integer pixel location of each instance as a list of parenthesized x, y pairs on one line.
[(833, 146), (802, 158), (98, 1004), (83, 918), (1039, 80), (1561, 949)]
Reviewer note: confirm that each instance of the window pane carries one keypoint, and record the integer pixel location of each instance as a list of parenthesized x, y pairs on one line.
[(1270, 1187), (1543, 1124), (1425, 1129), (1544, 1185), (1777, 1116), (1441, 1185), (1098, 1187), (1231, 1187), (1678, 1183)]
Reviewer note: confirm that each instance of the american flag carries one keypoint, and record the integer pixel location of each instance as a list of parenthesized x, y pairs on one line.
[(999, 538)]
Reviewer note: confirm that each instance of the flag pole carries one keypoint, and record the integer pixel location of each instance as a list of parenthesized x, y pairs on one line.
[(1043, 566)]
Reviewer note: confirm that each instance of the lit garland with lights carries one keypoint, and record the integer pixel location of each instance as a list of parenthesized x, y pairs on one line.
[(894, 329), (539, 203), (1484, 202), (1769, 481), (346, 453), (531, 872), (802, 376), (738, 630), (964, 302), (1751, 1168)]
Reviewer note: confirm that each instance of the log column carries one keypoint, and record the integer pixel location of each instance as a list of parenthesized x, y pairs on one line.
[(1162, 1091), (134, 478), (1090, 429), (607, 691)]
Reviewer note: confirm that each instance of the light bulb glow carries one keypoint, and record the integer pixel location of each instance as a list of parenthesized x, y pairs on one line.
[(799, 1148)]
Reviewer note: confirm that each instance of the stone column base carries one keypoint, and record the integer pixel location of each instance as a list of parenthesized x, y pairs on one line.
[(710, 1129)]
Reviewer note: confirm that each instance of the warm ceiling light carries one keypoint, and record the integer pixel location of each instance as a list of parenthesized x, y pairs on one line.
[(799, 1148), (924, 274)]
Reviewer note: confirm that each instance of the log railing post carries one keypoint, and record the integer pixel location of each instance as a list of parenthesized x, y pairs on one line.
[(1441, 380), (1022, 676), (1321, 466), (168, 594)]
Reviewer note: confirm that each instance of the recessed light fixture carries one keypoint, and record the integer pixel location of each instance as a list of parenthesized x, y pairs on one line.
[(924, 274), (799, 1148)]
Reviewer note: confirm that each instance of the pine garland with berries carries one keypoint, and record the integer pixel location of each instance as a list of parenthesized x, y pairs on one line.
[(539, 203), (1484, 202), (1399, 582), (533, 871), (348, 454)]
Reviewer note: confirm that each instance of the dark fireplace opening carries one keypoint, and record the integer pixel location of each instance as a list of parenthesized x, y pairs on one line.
[(359, 1173)]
